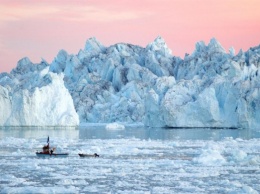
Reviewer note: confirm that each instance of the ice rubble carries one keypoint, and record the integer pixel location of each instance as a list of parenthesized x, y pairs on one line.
[(128, 83), (131, 165)]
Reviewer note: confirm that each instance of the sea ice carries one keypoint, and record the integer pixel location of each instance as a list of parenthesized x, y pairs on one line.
[(128, 164)]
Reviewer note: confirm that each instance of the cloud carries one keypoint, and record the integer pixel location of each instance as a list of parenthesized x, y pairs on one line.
[(103, 15), (68, 12), (9, 13)]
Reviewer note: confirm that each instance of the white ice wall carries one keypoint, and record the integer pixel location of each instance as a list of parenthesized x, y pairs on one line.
[(49, 105)]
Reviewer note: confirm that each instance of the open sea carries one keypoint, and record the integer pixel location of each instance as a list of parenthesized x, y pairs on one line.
[(132, 160)]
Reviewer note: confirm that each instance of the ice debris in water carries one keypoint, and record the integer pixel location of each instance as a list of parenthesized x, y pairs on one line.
[(115, 126), (211, 156)]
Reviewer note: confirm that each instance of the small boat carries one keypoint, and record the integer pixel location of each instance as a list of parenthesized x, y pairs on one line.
[(41, 154), (89, 155), (47, 151)]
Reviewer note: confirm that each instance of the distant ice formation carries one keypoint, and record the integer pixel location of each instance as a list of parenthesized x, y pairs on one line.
[(128, 84), (115, 126)]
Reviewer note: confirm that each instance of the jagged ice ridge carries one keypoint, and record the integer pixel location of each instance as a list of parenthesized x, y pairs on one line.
[(128, 83)]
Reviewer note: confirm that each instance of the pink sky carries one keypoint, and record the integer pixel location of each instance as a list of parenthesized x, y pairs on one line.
[(39, 29)]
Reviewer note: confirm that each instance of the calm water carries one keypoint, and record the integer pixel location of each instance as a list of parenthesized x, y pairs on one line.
[(99, 132), (134, 160)]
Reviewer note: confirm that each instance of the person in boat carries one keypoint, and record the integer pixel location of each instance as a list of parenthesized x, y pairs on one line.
[(96, 155), (52, 150), (46, 149)]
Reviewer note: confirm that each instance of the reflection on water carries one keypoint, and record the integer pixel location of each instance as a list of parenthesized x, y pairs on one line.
[(166, 134), (99, 132), (39, 132)]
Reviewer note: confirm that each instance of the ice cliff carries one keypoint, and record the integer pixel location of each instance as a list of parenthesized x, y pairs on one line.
[(128, 83), (33, 96)]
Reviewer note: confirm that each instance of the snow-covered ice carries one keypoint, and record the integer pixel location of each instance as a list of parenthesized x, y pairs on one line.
[(134, 160)]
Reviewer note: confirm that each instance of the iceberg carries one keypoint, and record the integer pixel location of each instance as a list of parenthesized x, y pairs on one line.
[(42, 100), (127, 83), (115, 126)]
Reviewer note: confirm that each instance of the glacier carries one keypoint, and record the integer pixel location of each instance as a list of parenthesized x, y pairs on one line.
[(127, 83), (35, 98)]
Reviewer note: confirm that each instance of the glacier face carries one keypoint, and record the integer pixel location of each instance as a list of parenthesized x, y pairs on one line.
[(33, 96), (128, 83)]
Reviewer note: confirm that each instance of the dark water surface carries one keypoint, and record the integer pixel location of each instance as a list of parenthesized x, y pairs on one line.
[(100, 132)]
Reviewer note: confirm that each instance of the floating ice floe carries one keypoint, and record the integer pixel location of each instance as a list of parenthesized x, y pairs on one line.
[(115, 126), (158, 164), (210, 156)]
